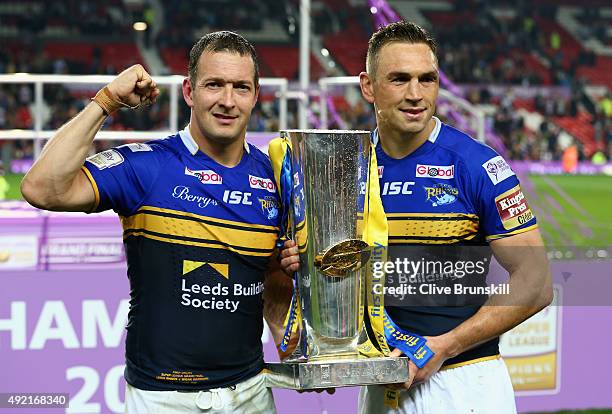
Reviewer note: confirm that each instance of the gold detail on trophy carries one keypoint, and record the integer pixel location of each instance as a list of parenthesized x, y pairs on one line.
[(343, 257)]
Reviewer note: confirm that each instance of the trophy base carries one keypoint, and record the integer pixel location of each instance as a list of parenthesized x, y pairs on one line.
[(334, 373)]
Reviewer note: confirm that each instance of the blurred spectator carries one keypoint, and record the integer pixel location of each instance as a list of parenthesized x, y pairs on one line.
[(4, 185), (606, 105), (479, 48)]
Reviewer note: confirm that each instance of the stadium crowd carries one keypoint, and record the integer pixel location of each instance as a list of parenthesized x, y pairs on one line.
[(488, 51)]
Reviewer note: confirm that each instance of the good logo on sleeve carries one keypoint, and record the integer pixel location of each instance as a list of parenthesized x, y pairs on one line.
[(513, 208), (138, 147), (106, 159), (497, 169)]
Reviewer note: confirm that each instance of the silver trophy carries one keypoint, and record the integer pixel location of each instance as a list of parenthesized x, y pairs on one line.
[(330, 171)]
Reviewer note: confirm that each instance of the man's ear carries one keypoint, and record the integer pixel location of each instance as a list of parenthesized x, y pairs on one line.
[(257, 88), (187, 92), (367, 89)]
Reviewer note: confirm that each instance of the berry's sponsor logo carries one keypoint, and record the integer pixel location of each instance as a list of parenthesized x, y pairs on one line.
[(182, 192), (259, 183), (205, 176), (513, 208), (443, 172), (381, 169), (106, 159), (497, 169)]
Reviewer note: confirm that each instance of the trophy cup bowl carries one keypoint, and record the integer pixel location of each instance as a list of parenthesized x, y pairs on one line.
[(330, 172)]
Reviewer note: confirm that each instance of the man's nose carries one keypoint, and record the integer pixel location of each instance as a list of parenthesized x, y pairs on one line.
[(227, 97)]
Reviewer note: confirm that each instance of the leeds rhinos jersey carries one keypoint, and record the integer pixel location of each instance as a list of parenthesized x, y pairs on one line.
[(198, 237), (452, 190)]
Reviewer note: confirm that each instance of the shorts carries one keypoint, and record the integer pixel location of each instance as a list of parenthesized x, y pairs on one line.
[(250, 396), (478, 388)]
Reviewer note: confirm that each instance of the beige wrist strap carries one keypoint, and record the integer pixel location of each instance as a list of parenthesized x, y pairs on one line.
[(104, 99)]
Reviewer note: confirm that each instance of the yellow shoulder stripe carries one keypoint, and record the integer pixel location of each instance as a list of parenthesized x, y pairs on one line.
[(94, 185), (511, 233)]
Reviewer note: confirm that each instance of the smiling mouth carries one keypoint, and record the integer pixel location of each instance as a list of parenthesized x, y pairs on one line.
[(224, 116), (413, 111)]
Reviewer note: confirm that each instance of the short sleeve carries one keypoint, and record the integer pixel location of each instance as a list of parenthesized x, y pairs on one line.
[(502, 206), (121, 177)]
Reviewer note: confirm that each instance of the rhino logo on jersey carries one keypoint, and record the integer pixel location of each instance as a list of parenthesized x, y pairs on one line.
[(270, 206), (441, 194)]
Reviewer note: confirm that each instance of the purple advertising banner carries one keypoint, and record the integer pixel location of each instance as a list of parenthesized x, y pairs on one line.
[(63, 331), (556, 168), (64, 304)]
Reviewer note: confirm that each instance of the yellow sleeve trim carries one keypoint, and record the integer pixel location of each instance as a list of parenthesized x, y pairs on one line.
[(470, 362), (512, 233), (95, 188)]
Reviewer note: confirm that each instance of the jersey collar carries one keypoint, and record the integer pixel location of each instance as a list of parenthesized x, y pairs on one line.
[(192, 146), (432, 137)]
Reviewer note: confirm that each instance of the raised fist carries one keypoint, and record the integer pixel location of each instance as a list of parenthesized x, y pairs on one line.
[(131, 88)]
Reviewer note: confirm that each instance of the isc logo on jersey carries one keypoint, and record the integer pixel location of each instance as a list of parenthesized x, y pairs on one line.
[(259, 183), (237, 197), (513, 208), (397, 187), (391, 188), (442, 172), (205, 176)]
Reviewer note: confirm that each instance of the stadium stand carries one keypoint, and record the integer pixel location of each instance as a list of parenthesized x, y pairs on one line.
[(497, 54)]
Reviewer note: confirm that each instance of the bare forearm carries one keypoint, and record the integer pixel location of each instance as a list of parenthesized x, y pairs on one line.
[(53, 174), (277, 299)]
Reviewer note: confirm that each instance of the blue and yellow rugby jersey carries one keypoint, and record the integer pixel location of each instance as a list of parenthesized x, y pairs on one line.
[(198, 237), (454, 191)]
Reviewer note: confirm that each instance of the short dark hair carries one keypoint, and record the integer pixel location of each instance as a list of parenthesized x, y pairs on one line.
[(401, 31), (223, 41)]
